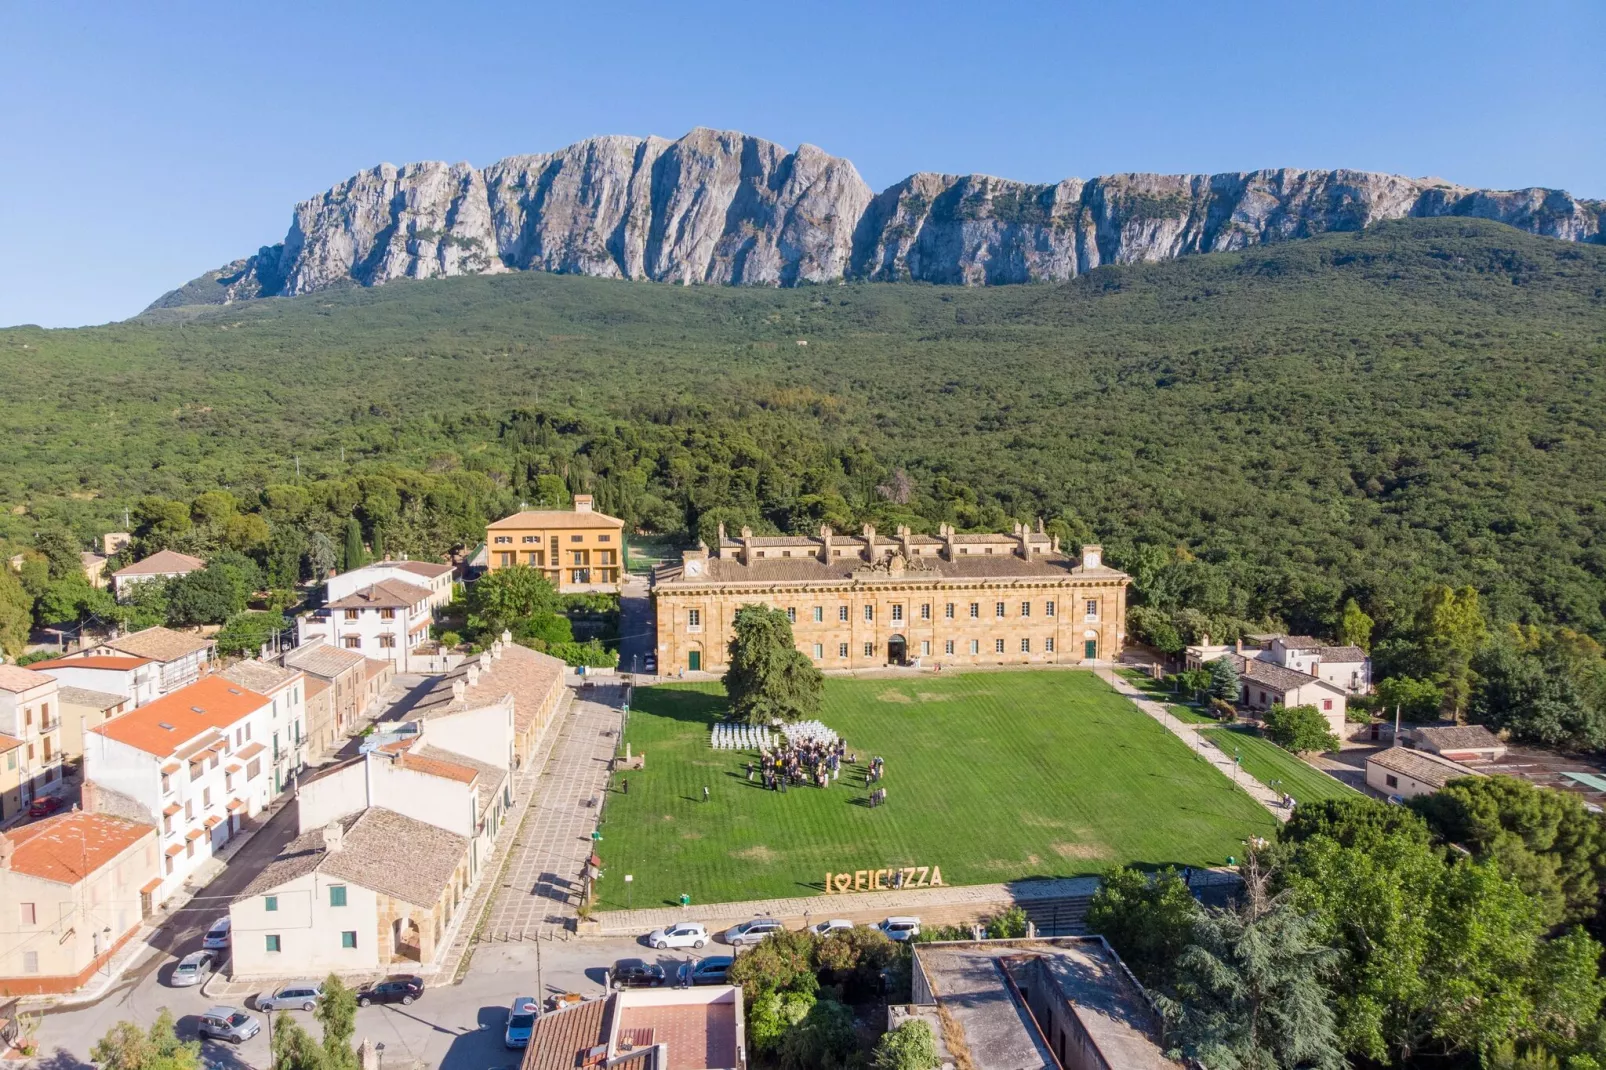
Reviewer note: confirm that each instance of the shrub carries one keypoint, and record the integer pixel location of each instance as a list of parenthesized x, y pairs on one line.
[(1223, 711), (1299, 728), (773, 1015), (911, 1046), (1010, 925)]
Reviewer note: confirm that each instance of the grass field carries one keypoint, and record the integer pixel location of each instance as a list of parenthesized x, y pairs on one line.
[(1152, 688), (990, 776), (1266, 762)]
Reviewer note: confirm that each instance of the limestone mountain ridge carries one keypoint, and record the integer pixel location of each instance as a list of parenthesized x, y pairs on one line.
[(723, 207)]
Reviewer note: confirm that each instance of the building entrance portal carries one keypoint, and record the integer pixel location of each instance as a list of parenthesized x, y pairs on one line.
[(897, 651)]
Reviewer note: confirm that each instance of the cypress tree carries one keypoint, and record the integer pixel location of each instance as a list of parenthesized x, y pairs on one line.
[(354, 555)]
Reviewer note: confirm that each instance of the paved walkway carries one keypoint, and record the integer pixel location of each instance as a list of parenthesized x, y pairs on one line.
[(539, 887), (1203, 747), (969, 899)]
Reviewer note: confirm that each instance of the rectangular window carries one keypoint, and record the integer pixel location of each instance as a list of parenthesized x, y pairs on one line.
[(925, 611), (975, 646), (998, 646), (579, 557), (694, 618), (206, 797), (29, 914), (842, 650), (604, 538), (1048, 608), (897, 613), (1092, 609), (273, 943), (1025, 646), (1327, 703), (270, 902), (253, 768), (532, 558), (352, 642), (869, 650), (948, 647), (387, 614), (348, 938), (529, 538), (998, 609), (351, 614), (337, 895), (189, 810), (1048, 645), (819, 651), (387, 642), (30, 962), (975, 611), (842, 613), (1025, 609), (1391, 780), (791, 614), (869, 612), (948, 611), (925, 648), (819, 614), (577, 538), (501, 539), (169, 865)]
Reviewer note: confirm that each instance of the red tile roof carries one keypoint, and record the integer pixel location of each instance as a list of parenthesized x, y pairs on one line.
[(17, 679), (68, 847), (553, 518), (9, 743), (163, 726)]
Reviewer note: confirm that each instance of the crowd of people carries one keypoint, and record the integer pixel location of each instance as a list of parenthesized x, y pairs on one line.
[(798, 762)]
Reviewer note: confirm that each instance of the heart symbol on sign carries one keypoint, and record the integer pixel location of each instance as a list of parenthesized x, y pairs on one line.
[(843, 881)]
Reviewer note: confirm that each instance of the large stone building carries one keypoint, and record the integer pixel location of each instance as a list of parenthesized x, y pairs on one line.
[(578, 550), (863, 601)]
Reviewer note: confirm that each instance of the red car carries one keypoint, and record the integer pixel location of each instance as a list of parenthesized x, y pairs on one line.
[(44, 806)]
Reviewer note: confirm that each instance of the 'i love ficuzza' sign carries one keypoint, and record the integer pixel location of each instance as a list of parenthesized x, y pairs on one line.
[(883, 880)]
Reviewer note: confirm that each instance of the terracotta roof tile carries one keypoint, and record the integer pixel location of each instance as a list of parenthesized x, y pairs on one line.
[(321, 659), (385, 594), (16, 679), (161, 563), (101, 662), (220, 704), (1459, 737), (261, 677), (95, 700), (67, 847), (373, 844), (436, 767), (159, 644), (560, 1040), (9, 742), (555, 518), (1419, 765)]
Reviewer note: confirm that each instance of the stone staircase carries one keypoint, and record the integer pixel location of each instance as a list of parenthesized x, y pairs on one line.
[(1063, 916)]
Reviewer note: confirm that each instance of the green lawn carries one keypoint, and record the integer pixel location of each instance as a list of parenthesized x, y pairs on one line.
[(990, 776), (1265, 761), (1156, 690)]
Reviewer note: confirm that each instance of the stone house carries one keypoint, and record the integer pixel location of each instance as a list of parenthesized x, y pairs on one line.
[(162, 565), (337, 692), (1408, 773), (526, 684), (577, 549), (1266, 684)]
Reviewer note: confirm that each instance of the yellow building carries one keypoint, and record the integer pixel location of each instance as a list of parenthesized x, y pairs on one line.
[(859, 602), (578, 550)]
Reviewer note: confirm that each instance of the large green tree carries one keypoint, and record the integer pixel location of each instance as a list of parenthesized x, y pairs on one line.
[(128, 1046), (911, 1046), (768, 678), (205, 596), (1148, 920), (16, 614), (507, 597), (1299, 729)]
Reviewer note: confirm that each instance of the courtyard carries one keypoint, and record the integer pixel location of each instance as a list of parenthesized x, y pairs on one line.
[(989, 777)]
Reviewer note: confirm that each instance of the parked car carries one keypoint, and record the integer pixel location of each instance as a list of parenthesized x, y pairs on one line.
[(826, 928), (900, 927), (226, 1023), (401, 988), (521, 1015), (44, 806), (751, 932), (217, 937), (635, 973), (686, 934), (303, 994), (192, 969), (710, 971)]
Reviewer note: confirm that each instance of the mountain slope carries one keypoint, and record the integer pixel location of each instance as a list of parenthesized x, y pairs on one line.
[(724, 207)]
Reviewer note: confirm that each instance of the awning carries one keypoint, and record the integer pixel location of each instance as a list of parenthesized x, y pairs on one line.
[(177, 848), (233, 767), (151, 887), (171, 767), (213, 822), (194, 834), (236, 804), (170, 809)]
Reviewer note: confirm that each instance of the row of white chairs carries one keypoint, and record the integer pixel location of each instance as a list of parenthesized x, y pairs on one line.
[(741, 737), (809, 732)]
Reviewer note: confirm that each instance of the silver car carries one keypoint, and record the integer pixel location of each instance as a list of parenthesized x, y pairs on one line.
[(227, 1023), (303, 994), (751, 932), (192, 969)]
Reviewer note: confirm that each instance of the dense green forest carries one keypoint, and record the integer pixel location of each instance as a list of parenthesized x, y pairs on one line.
[(1259, 436)]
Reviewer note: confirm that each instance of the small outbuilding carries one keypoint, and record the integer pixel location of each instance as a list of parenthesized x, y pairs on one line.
[(1459, 743), (1408, 773)]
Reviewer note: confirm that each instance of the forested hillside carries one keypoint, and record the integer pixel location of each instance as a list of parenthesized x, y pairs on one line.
[(1357, 415)]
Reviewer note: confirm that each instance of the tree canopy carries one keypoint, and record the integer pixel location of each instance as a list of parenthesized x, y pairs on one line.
[(767, 677)]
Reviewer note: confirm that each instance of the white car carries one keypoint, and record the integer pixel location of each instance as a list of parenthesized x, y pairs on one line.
[(751, 932), (826, 928), (217, 937), (685, 934), (900, 928)]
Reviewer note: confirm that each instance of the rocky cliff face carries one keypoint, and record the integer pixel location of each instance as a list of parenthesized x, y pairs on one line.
[(723, 207)]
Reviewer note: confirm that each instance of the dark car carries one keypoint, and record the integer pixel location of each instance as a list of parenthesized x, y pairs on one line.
[(402, 988), (635, 973), (44, 806), (712, 970)]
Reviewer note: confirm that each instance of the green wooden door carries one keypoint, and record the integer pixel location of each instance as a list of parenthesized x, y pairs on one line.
[(694, 660), (1090, 649)]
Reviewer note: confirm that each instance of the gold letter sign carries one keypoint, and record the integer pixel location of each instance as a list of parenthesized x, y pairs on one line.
[(883, 880)]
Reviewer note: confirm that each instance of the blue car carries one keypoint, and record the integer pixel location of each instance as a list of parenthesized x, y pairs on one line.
[(521, 1022)]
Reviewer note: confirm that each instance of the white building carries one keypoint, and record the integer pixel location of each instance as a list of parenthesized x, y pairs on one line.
[(385, 620), (194, 763), (391, 843), (1346, 667), (137, 679), (30, 737), (433, 577), (1409, 773), (180, 658), (1266, 684), (288, 690), (162, 565)]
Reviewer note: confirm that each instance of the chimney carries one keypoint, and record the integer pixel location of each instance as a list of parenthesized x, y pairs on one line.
[(825, 543), (582, 503), (946, 533), (6, 848), (1092, 557), (1238, 645), (1054, 544), (458, 689), (745, 554), (869, 542), (719, 541), (334, 837), (903, 542), (89, 796), (473, 673), (1023, 541)]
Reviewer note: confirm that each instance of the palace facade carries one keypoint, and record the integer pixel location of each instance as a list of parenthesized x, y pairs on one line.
[(867, 601)]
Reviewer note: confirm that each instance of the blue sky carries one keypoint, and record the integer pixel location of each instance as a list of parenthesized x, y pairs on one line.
[(146, 143)]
